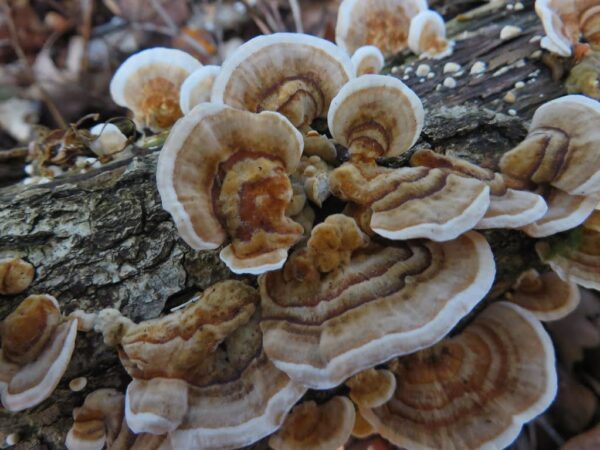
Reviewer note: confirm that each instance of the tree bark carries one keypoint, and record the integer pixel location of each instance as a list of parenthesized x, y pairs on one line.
[(102, 239)]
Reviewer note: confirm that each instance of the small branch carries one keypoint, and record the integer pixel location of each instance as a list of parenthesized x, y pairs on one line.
[(87, 11), (145, 26), (262, 26), (14, 38), (297, 15)]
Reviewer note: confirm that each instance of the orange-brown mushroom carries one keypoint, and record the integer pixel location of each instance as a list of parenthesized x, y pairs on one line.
[(372, 388), (427, 35), (473, 390), (225, 173), (316, 427), (382, 23), (566, 21), (148, 84), (546, 296), (561, 147), (386, 300), (37, 344), (15, 275), (200, 373)]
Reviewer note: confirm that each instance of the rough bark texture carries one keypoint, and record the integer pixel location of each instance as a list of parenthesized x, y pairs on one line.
[(102, 239)]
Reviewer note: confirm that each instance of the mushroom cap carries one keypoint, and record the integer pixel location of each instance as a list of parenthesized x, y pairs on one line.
[(224, 170), (513, 209), (411, 203), (40, 343), (427, 35), (581, 264), (197, 87), (316, 427), (294, 74), (97, 422), (362, 428), (546, 296), (148, 84), (386, 301), (473, 390), (201, 373), (561, 148), (382, 23), (15, 275), (564, 213), (367, 60), (109, 140), (563, 22), (508, 208), (157, 405), (372, 388), (376, 115)]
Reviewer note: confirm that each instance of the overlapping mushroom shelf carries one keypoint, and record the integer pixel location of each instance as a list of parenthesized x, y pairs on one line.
[(389, 300)]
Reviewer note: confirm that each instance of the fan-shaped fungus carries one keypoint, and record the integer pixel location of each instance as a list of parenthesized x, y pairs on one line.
[(15, 276), (224, 172), (474, 390), (321, 328), (367, 60), (316, 427), (546, 296), (561, 147), (427, 35), (201, 375), (37, 344), (148, 84), (382, 23), (197, 88)]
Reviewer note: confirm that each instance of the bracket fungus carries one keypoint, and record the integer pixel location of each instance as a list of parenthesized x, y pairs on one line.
[(565, 21), (98, 422), (372, 388), (197, 88), (546, 296), (509, 208), (367, 60), (313, 174), (316, 427), (200, 373), (321, 328), (16, 276), (427, 35), (37, 344), (382, 23), (413, 202), (148, 84), (473, 390), (580, 264), (561, 147), (564, 212), (296, 75), (375, 116), (224, 173)]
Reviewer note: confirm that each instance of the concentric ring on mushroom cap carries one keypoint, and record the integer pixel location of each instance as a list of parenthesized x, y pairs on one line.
[(386, 302), (37, 348), (379, 111), (259, 67), (145, 65), (427, 35), (190, 158), (561, 148), (197, 88), (474, 390), (382, 23), (368, 59)]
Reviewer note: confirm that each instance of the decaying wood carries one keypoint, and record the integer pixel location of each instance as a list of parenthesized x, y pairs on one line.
[(103, 240)]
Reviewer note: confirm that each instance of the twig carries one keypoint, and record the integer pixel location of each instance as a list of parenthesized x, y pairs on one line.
[(146, 26), (87, 11), (297, 16), (164, 15), (14, 37), (262, 26), (550, 431)]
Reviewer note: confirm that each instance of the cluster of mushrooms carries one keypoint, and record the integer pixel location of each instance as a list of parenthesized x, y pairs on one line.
[(364, 297)]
